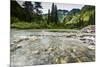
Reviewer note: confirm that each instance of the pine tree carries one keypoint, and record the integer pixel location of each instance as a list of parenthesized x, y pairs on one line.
[(53, 13), (56, 15), (38, 6), (48, 20), (28, 6)]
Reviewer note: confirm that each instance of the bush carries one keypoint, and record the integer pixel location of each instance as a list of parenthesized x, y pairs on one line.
[(14, 20)]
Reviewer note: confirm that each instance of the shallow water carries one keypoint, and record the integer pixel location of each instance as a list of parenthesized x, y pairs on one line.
[(32, 47)]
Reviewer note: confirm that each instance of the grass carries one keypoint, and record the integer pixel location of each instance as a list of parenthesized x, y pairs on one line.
[(24, 25), (34, 25)]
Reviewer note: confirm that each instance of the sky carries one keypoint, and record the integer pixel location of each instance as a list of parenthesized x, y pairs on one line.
[(63, 6)]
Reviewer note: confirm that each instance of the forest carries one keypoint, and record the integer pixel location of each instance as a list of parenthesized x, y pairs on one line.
[(30, 16)]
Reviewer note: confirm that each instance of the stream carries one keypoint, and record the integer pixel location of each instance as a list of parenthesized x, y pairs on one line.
[(40, 47)]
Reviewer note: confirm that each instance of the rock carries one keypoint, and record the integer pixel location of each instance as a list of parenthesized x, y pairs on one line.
[(14, 48), (83, 39), (12, 44), (71, 36), (91, 47), (73, 55), (84, 59), (89, 29), (89, 38), (92, 43), (19, 40), (32, 38), (52, 48), (36, 52)]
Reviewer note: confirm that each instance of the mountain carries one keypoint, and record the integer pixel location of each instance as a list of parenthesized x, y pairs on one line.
[(80, 18), (73, 11), (61, 14), (71, 15), (88, 14), (64, 12)]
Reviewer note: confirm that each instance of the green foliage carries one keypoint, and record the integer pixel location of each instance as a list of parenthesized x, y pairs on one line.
[(28, 7), (14, 20), (87, 15), (81, 19), (17, 11), (30, 17), (28, 13), (54, 14), (34, 25), (48, 20)]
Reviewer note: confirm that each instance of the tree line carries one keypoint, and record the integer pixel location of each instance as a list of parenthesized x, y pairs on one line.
[(53, 16), (32, 13), (29, 13)]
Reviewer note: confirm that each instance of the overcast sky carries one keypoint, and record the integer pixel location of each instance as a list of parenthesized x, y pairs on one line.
[(47, 5)]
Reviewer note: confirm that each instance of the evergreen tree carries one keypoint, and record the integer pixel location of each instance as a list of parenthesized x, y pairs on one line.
[(17, 12), (48, 20), (28, 6), (38, 14), (38, 6), (53, 13), (32, 11), (56, 15)]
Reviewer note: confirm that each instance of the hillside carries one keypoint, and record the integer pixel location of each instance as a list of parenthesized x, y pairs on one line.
[(85, 17)]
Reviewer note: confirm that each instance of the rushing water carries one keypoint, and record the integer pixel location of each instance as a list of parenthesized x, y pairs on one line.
[(35, 47)]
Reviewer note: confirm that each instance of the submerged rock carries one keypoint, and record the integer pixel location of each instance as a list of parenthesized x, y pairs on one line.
[(52, 48)]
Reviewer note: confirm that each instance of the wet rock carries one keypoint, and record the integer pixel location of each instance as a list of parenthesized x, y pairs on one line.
[(36, 52), (33, 38), (83, 39), (91, 47), (92, 43), (84, 59), (71, 36), (53, 48), (71, 59), (14, 48)]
